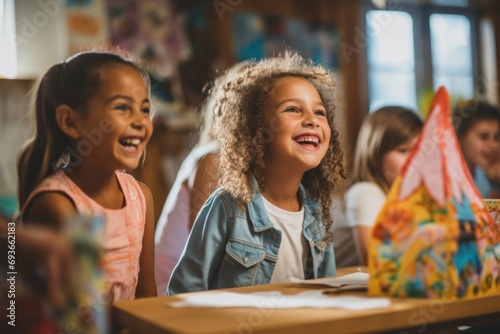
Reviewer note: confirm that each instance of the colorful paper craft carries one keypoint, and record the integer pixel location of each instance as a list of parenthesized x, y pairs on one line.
[(434, 237)]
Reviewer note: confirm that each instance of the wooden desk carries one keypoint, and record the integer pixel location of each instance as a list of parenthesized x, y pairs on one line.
[(152, 315)]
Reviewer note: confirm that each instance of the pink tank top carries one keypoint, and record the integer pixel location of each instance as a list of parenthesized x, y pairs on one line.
[(123, 229)]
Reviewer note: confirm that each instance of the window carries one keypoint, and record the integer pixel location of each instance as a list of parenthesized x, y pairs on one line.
[(413, 49), (8, 55), (452, 54), (391, 60)]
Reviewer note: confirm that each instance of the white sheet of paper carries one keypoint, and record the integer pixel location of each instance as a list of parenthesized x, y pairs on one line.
[(274, 299), (358, 278)]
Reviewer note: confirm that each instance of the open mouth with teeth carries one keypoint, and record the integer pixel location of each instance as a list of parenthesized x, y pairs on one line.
[(130, 142), (307, 141)]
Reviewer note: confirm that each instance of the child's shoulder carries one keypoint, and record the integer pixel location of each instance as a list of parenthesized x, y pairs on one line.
[(364, 189), (122, 174), (133, 187), (221, 198), (50, 208), (58, 181), (51, 201), (124, 177), (221, 195)]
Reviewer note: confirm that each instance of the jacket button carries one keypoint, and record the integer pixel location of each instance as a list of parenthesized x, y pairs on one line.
[(275, 235), (246, 258)]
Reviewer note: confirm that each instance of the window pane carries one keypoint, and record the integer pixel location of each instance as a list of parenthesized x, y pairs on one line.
[(390, 39), (392, 88), (8, 55), (452, 54), (451, 42), (391, 61), (459, 86)]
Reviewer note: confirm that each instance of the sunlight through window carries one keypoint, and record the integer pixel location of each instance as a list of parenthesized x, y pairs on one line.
[(8, 55), (391, 60), (452, 54)]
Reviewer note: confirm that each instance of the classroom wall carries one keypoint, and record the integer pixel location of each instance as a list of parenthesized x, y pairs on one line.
[(346, 16), (42, 36), (43, 26), (14, 131)]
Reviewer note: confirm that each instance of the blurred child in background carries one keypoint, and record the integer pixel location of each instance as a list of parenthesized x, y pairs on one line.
[(385, 139), (196, 179), (477, 125)]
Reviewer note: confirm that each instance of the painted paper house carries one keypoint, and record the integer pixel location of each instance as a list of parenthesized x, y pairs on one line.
[(434, 237)]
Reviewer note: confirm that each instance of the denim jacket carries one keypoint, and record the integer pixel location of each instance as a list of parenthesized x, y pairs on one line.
[(229, 247)]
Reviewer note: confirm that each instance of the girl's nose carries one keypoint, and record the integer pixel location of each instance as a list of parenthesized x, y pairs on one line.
[(310, 120), (139, 119), (138, 124)]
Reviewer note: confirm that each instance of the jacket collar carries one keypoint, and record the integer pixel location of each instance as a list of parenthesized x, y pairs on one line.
[(258, 214)]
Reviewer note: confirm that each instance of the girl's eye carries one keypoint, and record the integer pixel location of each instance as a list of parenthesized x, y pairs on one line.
[(320, 112), (146, 110), (292, 109), (483, 136), (122, 107)]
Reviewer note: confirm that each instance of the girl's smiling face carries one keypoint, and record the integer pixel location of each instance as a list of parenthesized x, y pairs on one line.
[(116, 125), (298, 126), (480, 145)]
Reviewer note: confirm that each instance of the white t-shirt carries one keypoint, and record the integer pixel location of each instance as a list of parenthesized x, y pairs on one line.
[(293, 251), (363, 202)]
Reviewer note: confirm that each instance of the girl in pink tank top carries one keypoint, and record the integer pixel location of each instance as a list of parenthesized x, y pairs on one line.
[(93, 119)]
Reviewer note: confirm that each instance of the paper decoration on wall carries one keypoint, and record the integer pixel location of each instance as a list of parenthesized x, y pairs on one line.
[(150, 29), (86, 25), (434, 237), (257, 36)]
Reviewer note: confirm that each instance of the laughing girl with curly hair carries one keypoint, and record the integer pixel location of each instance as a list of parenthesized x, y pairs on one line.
[(280, 158)]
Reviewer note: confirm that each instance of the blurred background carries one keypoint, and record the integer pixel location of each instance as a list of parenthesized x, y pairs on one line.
[(383, 52)]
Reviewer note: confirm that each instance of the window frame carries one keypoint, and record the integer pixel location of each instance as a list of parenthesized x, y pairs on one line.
[(421, 13)]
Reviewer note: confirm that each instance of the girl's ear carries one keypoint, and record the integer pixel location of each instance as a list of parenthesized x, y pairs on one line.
[(66, 118)]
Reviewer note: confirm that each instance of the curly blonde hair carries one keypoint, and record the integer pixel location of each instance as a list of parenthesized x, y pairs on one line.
[(214, 90), (243, 134)]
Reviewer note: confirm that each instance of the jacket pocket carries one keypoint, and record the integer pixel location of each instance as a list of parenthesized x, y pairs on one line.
[(318, 250), (241, 262)]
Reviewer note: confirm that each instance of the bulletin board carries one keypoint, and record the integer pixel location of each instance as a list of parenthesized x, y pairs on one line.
[(86, 20), (256, 36), (150, 29)]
